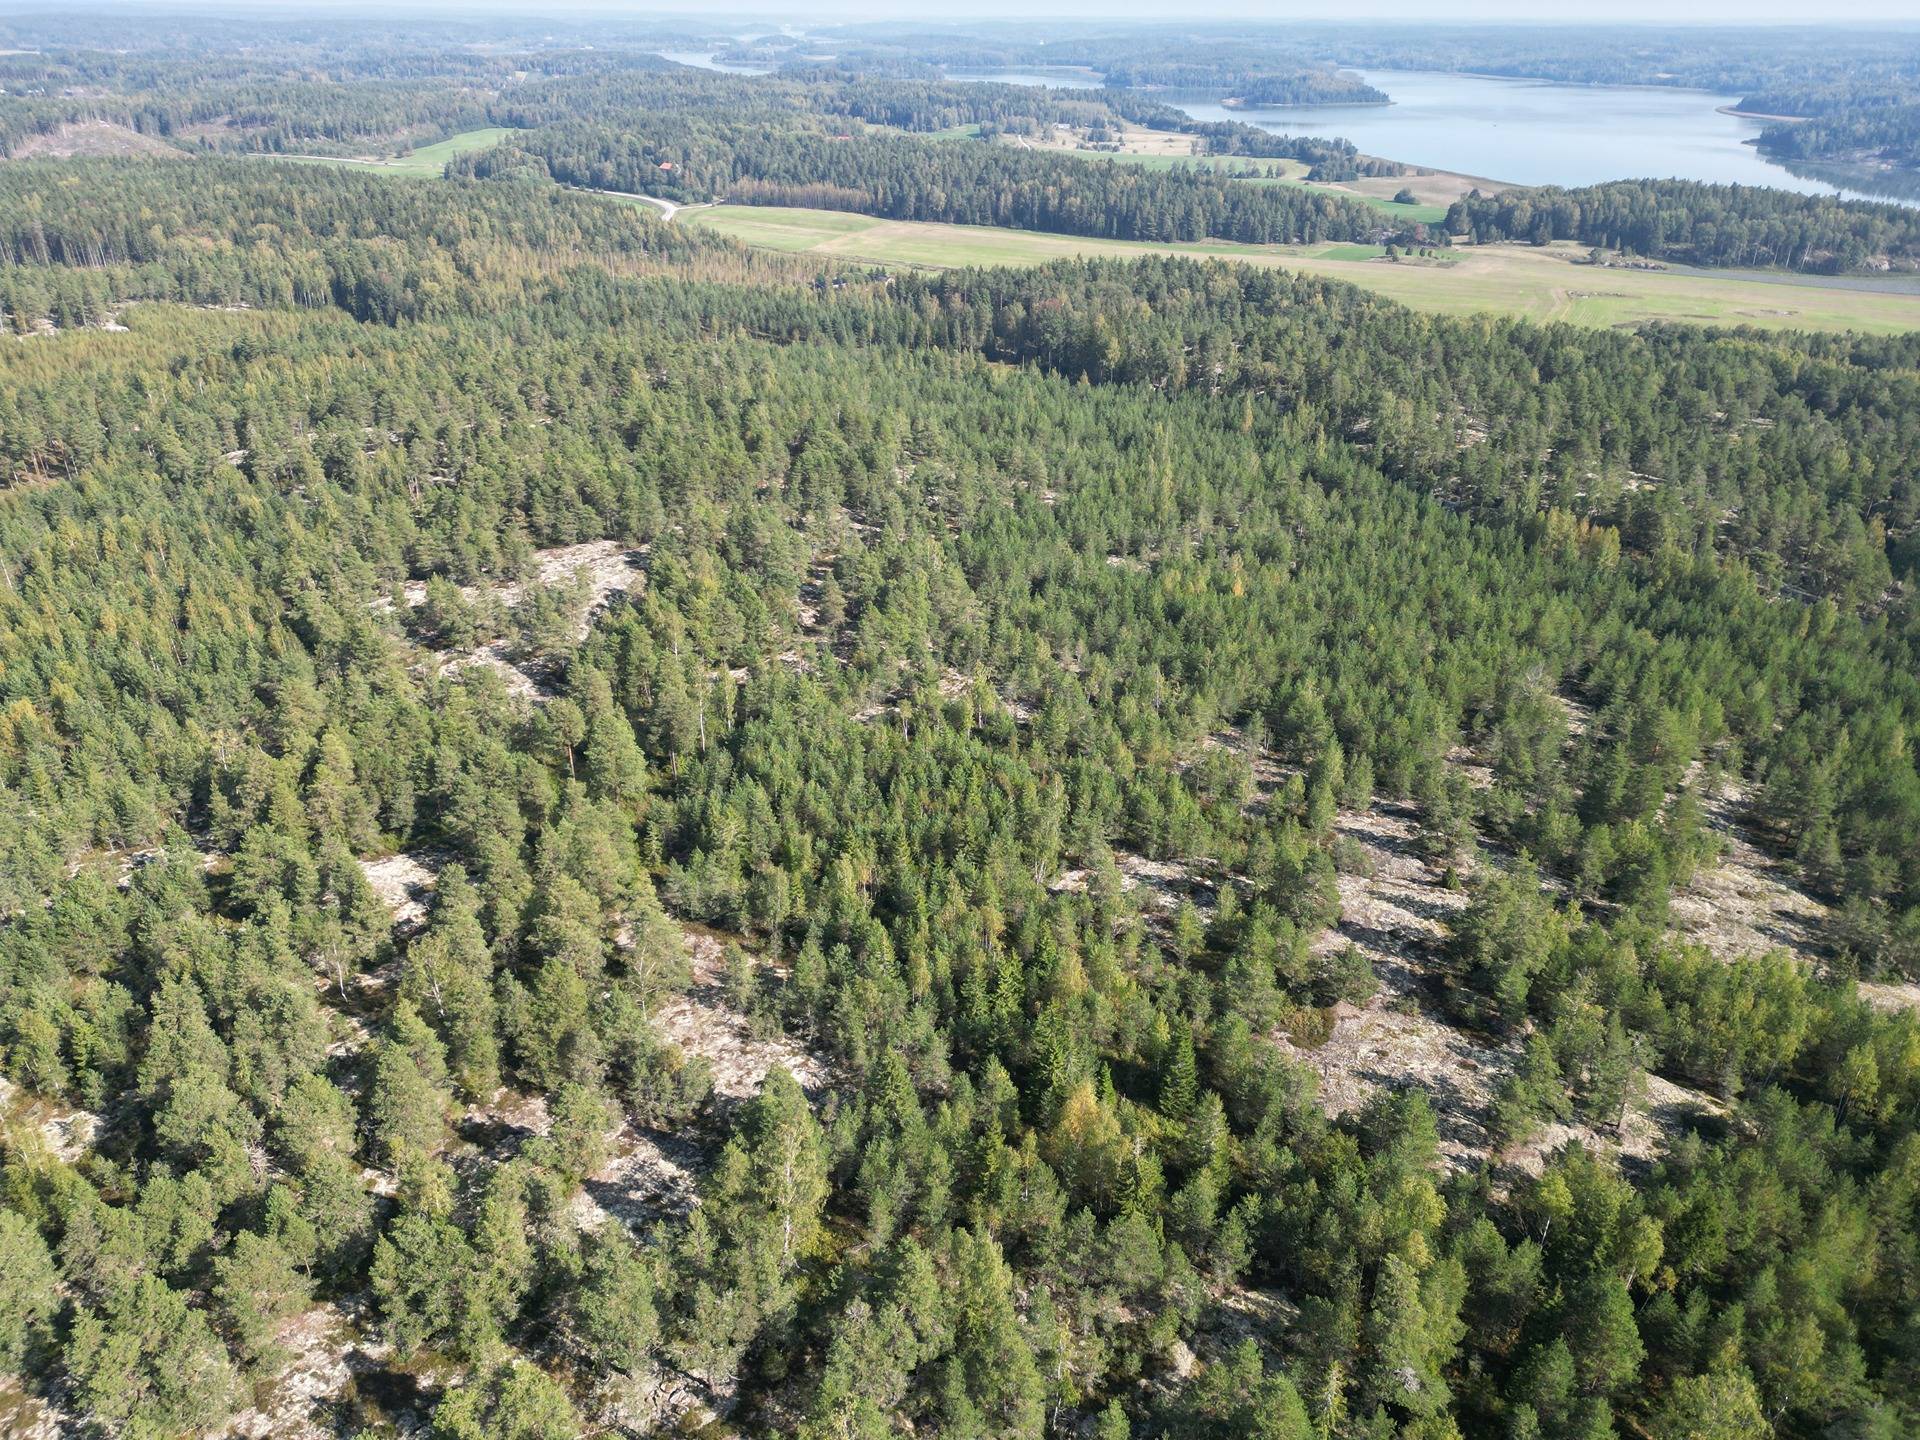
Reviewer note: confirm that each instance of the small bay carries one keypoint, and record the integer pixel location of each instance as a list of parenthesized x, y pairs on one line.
[(1530, 132)]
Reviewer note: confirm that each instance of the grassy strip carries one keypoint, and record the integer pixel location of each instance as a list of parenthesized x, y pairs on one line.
[(1536, 283)]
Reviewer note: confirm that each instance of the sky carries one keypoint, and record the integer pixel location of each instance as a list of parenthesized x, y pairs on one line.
[(1666, 12), (1904, 14)]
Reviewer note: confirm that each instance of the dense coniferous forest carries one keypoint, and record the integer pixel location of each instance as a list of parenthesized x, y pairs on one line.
[(602, 833), (967, 184), (1886, 135)]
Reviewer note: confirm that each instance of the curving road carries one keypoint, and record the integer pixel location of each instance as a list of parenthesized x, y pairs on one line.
[(667, 208)]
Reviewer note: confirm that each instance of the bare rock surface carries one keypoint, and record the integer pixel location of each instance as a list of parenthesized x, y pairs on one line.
[(1749, 902), (1397, 915), (702, 1023), (1890, 994), (650, 1175), (84, 139), (316, 1377), (25, 1416), (601, 568), (403, 882), (66, 1130)]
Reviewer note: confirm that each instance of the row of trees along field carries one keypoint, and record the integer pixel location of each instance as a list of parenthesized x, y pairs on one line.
[(923, 634), (958, 183), (1700, 224)]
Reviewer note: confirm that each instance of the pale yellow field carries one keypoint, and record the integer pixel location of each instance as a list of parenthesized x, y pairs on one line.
[(1541, 284)]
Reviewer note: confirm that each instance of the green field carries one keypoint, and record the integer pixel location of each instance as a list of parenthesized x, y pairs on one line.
[(1409, 214), (1540, 284), (427, 162), (1350, 252), (848, 236)]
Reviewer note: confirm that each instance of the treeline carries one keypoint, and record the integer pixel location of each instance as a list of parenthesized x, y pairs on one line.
[(1726, 59), (1700, 224), (1829, 99), (1132, 58), (1310, 87), (966, 184), (1886, 136), (1253, 84), (1326, 161), (241, 233), (1329, 159)]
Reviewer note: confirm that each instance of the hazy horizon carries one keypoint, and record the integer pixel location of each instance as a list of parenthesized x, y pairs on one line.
[(1897, 14)]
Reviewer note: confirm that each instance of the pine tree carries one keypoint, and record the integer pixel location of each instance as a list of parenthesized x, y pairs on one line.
[(149, 1367), (1400, 1370), (1180, 1078)]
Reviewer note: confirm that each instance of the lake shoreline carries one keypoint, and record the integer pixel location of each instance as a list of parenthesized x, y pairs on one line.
[(1539, 133), (1740, 114)]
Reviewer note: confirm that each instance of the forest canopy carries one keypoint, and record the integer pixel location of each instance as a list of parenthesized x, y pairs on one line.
[(603, 833)]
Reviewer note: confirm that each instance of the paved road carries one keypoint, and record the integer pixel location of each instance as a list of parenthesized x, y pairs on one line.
[(667, 208)]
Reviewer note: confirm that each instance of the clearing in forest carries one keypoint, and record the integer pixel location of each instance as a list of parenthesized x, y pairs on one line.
[(85, 139), (1433, 190), (1748, 902), (425, 163), (600, 568), (1396, 911)]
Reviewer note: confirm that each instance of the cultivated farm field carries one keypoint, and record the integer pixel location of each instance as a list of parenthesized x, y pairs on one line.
[(1543, 283)]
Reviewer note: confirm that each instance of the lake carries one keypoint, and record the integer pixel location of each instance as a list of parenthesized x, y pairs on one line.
[(703, 60), (1063, 79), (1525, 132)]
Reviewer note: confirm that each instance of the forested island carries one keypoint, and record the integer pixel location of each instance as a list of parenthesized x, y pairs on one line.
[(1886, 136), (605, 833)]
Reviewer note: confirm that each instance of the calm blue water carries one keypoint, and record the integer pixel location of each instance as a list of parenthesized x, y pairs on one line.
[(1050, 79), (705, 61), (1524, 132)]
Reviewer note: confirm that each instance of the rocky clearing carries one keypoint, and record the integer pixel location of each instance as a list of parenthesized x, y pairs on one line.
[(403, 882), (80, 139), (703, 1024), (1749, 902), (602, 568), (1397, 916)]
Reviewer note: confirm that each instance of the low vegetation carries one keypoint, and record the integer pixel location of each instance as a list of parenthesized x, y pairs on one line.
[(1551, 283)]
